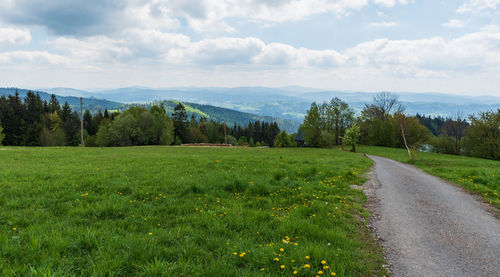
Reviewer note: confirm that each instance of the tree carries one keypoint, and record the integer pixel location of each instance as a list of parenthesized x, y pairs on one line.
[(180, 122), (383, 104), (53, 105), (351, 137), (455, 130), (2, 135), (410, 132), (483, 135), (163, 127), (312, 126), (70, 124), (338, 116), (242, 141), (282, 140)]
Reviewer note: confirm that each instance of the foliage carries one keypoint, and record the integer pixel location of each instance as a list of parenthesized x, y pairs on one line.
[(283, 140), (2, 135), (174, 211), (351, 137), (479, 176), (137, 126), (325, 124), (483, 136)]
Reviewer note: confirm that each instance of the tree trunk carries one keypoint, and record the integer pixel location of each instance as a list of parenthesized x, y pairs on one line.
[(404, 137)]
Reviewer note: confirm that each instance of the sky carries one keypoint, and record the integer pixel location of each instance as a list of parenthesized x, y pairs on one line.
[(352, 45)]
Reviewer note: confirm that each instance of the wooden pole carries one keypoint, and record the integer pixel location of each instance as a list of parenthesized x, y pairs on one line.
[(81, 121), (225, 134)]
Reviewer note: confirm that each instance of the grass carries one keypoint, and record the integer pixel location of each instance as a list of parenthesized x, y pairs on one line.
[(172, 211), (478, 176)]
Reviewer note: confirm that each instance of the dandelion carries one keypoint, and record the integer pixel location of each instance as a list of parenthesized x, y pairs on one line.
[(242, 254), (307, 257), (276, 259), (235, 253), (282, 266), (307, 266), (13, 229), (320, 272), (262, 269), (150, 233), (326, 267), (295, 272), (333, 274), (323, 262), (282, 250)]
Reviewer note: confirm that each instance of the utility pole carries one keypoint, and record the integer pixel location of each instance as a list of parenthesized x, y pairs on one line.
[(81, 121), (225, 134)]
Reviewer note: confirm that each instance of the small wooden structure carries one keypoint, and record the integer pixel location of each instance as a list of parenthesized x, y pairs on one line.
[(206, 145), (300, 139)]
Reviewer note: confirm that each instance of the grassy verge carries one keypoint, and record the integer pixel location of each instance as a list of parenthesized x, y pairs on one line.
[(478, 176), (175, 211)]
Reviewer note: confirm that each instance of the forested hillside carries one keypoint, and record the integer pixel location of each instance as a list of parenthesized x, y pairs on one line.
[(91, 104)]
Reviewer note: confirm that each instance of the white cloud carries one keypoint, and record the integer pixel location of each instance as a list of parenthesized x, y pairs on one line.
[(100, 17), (28, 58), (384, 24), (476, 6), (455, 23), (390, 3), (14, 36), (437, 57)]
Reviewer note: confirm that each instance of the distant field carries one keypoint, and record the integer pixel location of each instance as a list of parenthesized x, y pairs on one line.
[(479, 176), (172, 211)]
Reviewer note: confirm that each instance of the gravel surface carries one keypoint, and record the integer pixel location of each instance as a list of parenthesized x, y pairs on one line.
[(429, 227)]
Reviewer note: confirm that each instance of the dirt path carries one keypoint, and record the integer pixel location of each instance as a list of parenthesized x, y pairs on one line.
[(429, 227)]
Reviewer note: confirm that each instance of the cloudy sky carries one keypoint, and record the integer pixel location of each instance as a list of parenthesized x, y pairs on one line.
[(370, 45)]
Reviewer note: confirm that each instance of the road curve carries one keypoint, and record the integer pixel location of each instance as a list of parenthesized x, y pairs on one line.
[(431, 228)]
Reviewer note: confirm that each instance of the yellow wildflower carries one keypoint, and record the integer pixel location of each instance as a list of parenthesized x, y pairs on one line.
[(13, 229), (320, 272), (323, 262), (307, 266), (307, 257), (276, 259), (281, 249), (150, 233), (243, 254), (282, 266), (295, 272), (235, 253)]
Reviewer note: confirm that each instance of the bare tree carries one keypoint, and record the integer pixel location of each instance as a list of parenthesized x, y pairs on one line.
[(383, 104)]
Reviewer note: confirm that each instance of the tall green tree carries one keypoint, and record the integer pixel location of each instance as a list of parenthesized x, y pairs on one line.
[(312, 126), (483, 135), (181, 124)]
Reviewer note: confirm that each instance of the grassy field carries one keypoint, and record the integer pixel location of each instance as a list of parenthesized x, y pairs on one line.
[(478, 176), (172, 211)]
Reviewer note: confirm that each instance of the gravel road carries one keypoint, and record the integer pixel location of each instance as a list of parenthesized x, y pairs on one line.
[(429, 227)]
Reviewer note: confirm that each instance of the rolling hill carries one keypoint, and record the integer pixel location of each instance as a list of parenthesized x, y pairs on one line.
[(291, 102), (218, 114)]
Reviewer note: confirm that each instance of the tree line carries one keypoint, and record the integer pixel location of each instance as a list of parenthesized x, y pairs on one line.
[(33, 122), (384, 123)]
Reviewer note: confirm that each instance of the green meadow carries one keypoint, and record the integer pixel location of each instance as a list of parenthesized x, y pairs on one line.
[(478, 176), (175, 211)]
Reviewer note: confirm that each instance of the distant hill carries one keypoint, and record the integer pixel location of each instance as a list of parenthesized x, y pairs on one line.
[(292, 102), (218, 114), (229, 116), (91, 104)]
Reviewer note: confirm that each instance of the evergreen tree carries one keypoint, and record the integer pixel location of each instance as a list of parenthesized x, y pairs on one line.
[(53, 105), (2, 135), (179, 118)]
